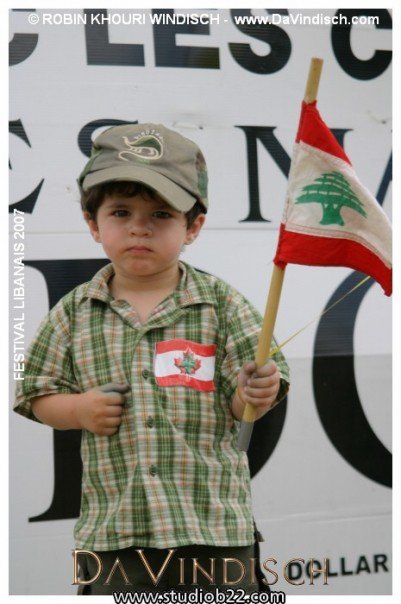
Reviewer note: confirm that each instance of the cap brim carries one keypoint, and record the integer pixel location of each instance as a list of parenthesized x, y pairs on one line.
[(175, 195)]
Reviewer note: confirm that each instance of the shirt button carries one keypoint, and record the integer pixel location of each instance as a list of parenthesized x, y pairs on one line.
[(150, 422), (146, 373), (153, 470)]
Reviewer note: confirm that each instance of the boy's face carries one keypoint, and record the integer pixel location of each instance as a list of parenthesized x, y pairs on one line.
[(141, 236)]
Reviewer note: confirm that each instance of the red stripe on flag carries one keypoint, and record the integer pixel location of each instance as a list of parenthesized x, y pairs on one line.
[(186, 380), (312, 250), (204, 350), (313, 131)]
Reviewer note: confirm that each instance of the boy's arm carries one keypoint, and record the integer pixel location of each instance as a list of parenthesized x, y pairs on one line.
[(50, 393), (49, 368), (57, 411), (243, 330), (95, 410)]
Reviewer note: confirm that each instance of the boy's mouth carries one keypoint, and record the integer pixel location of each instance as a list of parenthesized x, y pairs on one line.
[(139, 249)]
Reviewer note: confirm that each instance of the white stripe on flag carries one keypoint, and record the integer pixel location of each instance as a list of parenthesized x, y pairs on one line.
[(177, 363)]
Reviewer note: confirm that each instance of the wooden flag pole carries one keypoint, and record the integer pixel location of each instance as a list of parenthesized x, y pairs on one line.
[(312, 84), (273, 299)]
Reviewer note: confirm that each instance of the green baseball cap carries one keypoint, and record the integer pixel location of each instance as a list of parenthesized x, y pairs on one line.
[(153, 155)]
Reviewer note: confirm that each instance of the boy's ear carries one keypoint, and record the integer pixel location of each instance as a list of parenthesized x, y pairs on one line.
[(92, 224), (194, 230)]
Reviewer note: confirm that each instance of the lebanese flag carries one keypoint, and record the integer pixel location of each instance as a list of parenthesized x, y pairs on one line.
[(330, 218), (185, 363)]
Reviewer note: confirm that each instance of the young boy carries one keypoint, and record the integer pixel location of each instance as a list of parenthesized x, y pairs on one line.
[(152, 360)]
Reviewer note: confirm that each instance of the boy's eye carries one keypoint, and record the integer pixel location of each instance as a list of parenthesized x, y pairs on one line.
[(120, 213), (161, 214)]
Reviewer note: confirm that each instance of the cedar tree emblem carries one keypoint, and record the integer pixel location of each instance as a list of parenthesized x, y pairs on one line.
[(333, 191), (188, 364)]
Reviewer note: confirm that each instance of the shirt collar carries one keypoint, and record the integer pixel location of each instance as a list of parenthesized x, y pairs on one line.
[(194, 286), (97, 287)]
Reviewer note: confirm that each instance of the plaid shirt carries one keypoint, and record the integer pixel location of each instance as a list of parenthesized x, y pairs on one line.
[(172, 475)]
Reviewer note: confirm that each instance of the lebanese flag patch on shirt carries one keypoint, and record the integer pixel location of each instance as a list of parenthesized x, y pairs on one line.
[(185, 363)]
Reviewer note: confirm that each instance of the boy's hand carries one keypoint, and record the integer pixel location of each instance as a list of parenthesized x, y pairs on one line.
[(99, 410), (259, 387)]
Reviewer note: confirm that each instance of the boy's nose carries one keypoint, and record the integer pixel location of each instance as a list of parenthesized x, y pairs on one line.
[(140, 226)]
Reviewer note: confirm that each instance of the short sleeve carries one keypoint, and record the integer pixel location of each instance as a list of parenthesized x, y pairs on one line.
[(243, 330), (48, 364)]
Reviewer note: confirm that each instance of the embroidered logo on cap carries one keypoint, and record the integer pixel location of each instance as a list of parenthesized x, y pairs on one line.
[(148, 146)]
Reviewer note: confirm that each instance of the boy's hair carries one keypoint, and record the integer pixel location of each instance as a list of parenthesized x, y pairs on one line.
[(92, 199)]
